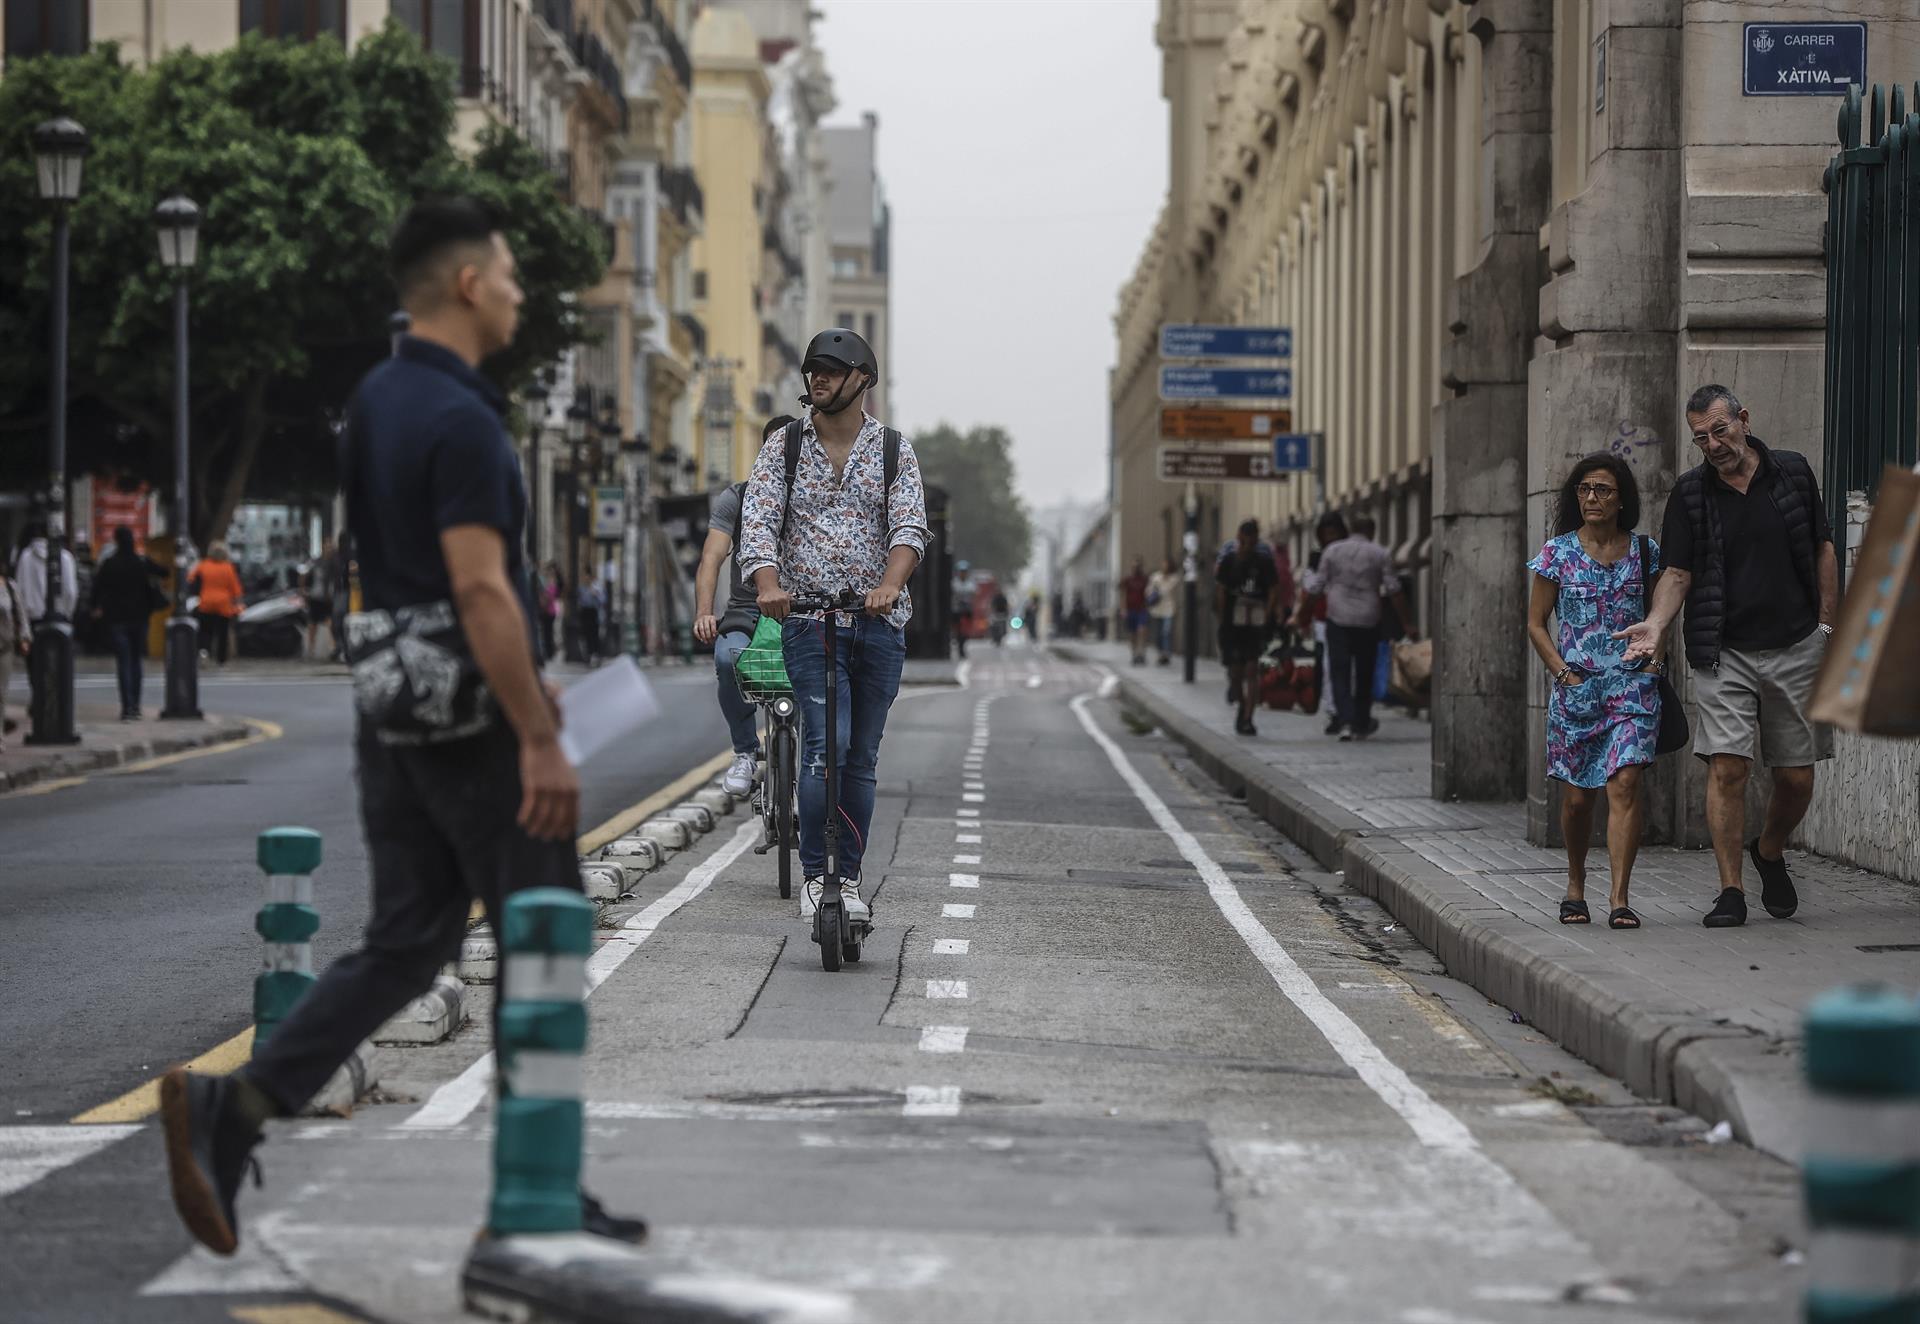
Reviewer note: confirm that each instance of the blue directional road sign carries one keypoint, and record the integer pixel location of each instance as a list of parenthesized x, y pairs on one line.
[(1184, 383), (1293, 452), (1226, 342)]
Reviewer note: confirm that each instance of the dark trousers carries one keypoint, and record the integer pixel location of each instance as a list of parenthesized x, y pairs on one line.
[(1353, 652), (216, 631), (441, 834), (129, 646)]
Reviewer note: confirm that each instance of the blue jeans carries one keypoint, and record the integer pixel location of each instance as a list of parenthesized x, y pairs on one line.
[(129, 643), (1163, 634), (868, 657), (733, 704)]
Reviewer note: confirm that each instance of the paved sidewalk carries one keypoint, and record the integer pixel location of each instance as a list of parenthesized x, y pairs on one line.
[(105, 742), (1708, 1019)]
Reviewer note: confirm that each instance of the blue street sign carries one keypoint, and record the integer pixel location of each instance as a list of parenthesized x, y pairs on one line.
[(1182, 383), (1226, 342), (1804, 59), (1293, 452)]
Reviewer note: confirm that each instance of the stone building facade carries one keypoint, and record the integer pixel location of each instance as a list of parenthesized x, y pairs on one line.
[(1506, 234)]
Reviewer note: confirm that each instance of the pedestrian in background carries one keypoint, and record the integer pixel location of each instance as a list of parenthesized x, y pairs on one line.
[(1604, 716), (1163, 602), (588, 602), (126, 593), (1356, 574), (319, 586), (1032, 616), (1247, 586), (1750, 553), (221, 599), (1133, 599), (553, 592), (30, 577), (16, 634), (465, 797)]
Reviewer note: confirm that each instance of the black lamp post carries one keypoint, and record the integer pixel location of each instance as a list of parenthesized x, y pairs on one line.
[(59, 149), (579, 414), (177, 223), (536, 424)]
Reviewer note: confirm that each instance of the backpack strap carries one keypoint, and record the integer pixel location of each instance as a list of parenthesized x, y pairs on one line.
[(739, 514), (791, 440), (889, 468)]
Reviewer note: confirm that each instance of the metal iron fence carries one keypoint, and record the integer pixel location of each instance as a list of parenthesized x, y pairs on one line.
[(1873, 292)]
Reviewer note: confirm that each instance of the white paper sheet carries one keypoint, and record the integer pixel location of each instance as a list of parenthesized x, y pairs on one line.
[(610, 704)]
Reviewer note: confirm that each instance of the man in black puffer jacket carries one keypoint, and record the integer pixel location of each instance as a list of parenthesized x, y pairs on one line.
[(1746, 545)]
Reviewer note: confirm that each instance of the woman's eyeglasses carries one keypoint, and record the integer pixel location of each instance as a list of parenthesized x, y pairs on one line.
[(1600, 491)]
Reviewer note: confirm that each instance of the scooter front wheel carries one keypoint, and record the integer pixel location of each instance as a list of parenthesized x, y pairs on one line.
[(830, 931)]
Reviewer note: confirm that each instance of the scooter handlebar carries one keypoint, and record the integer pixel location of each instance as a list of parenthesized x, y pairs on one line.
[(845, 600)]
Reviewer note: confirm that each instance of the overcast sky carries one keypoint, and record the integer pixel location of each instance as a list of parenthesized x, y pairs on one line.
[(1023, 147)]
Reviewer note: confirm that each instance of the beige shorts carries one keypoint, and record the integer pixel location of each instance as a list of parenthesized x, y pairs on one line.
[(1763, 694)]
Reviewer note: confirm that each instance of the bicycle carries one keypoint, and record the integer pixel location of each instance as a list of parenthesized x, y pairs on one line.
[(774, 798), (838, 937)]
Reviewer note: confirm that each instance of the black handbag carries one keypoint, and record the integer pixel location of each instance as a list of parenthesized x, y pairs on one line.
[(1674, 733), (415, 681)]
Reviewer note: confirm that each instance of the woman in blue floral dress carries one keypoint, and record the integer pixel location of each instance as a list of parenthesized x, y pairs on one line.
[(1604, 716)]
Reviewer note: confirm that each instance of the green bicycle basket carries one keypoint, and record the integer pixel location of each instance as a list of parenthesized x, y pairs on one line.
[(761, 670)]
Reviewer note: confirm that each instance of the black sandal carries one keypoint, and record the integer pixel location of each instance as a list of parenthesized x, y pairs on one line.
[(1623, 918), (1574, 912)]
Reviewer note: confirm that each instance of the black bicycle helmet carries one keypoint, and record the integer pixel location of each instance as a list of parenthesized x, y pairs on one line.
[(842, 348)]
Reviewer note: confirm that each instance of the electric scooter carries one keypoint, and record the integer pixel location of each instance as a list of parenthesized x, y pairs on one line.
[(839, 937)]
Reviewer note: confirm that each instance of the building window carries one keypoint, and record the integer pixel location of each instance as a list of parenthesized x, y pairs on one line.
[(699, 284), (844, 319), (45, 27), (867, 329), (303, 20), (846, 266), (453, 28)]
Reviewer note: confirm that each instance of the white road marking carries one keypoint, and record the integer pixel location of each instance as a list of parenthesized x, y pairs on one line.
[(28, 1153), (455, 1101), (1431, 1122), (963, 673), (947, 988), (973, 785), (1033, 682), (966, 859), (255, 1267), (974, 798), (967, 839), (950, 946), (967, 813), (951, 911), (963, 880), (943, 1038), (932, 1101)]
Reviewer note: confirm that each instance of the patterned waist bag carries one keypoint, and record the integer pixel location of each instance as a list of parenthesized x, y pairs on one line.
[(414, 678)]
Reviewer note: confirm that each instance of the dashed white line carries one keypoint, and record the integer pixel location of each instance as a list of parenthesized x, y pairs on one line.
[(966, 859), (950, 946), (967, 839), (943, 1038), (954, 911), (932, 1101), (963, 880), (974, 798), (947, 988), (967, 813)]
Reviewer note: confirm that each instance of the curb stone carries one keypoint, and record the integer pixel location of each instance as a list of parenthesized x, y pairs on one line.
[(429, 1018), (715, 802), (668, 834), (350, 1084), (699, 819), (81, 759), (1623, 1024), (480, 956)]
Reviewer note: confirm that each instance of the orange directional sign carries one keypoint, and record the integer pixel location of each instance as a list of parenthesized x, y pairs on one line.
[(1202, 424)]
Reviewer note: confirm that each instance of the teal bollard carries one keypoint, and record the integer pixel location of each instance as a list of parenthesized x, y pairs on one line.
[(1862, 1166), (288, 921), (545, 936)]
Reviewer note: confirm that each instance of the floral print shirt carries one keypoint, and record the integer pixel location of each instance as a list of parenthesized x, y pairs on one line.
[(839, 529)]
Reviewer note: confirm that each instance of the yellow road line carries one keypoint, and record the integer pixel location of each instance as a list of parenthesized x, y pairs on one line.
[(293, 1314), (263, 731), (144, 1100)]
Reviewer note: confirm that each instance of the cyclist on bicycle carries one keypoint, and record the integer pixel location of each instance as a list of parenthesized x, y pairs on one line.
[(730, 633), (842, 525)]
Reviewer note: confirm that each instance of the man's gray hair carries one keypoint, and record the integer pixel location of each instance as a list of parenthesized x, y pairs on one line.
[(1364, 525), (1702, 400)]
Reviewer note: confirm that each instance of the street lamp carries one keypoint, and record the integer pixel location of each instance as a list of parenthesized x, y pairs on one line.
[(177, 223), (59, 150), (579, 413), (536, 426)]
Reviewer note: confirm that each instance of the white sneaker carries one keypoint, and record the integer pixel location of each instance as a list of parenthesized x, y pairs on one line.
[(738, 779), (857, 910)]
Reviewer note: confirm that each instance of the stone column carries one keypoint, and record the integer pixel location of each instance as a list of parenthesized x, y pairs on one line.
[(1480, 434)]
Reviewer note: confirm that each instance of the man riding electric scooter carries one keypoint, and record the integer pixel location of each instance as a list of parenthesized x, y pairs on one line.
[(836, 503)]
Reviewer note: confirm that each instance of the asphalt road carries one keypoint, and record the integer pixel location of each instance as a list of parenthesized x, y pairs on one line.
[(1115, 1052), (128, 901)]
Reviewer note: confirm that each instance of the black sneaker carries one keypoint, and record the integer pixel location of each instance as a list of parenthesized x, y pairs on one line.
[(595, 1220), (1335, 726), (1729, 912), (209, 1149), (1776, 884), (1245, 727), (1361, 733)]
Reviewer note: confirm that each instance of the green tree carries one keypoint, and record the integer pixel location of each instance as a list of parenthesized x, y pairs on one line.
[(301, 157), (989, 522)]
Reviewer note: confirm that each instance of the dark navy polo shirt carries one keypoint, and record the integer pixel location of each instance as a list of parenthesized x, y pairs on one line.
[(429, 451)]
